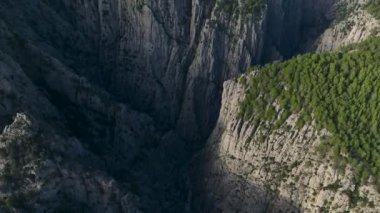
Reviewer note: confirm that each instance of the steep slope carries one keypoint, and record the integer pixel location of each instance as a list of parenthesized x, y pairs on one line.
[(43, 167), (267, 155), (123, 142), (354, 23), (160, 56), (134, 84)]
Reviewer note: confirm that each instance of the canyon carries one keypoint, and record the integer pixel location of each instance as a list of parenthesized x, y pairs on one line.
[(129, 106)]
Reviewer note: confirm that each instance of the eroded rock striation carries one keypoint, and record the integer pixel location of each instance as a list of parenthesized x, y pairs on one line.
[(282, 171), (108, 101)]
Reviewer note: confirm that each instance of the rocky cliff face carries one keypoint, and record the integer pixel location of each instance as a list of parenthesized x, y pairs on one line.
[(134, 85), (352, 24), (160, 56), (249, 167)]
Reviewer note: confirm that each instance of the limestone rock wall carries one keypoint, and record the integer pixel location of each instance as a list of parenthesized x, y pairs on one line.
[(353, 24), (138, 85), (253, 168)]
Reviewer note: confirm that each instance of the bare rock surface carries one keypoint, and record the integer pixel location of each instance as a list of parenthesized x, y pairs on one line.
[(103, 104)]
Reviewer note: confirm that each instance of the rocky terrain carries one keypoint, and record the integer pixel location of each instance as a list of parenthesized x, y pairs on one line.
[(246, 166), (104, 104), (353, 24)]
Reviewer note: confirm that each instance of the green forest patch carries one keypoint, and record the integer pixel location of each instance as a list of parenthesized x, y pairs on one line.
[(374, 8), (340, 91)]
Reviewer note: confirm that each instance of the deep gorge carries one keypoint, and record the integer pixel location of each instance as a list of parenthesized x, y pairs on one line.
[(139, 83)]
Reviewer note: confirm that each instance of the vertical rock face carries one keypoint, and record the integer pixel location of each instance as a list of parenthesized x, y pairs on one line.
[(126, 82), (168, 58), (293, 24), (227, 43), (241, 171), (174, 55)]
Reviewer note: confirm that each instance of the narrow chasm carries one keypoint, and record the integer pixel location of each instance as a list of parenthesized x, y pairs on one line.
[(139, 83)]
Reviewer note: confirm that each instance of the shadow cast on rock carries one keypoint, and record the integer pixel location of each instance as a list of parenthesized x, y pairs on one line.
[(217, 189)]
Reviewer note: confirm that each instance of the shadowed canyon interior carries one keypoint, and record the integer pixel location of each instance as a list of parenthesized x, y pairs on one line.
[(129, 106)]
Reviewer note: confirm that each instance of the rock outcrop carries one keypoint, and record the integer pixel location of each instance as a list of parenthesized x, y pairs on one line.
[(38, 174), (131, 89), (353, 24), (45, 165), (250, 167)]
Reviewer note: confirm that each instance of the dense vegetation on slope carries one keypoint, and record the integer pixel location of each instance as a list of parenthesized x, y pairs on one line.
[(340, 91), (374, 8)]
